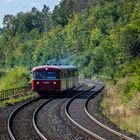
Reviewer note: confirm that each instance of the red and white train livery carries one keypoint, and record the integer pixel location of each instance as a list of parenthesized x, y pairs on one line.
[(54, 79)]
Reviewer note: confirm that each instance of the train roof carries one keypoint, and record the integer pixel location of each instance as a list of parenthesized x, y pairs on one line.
[(52, 67)]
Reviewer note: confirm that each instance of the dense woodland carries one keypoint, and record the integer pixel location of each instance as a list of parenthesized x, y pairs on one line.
[(101, 37)]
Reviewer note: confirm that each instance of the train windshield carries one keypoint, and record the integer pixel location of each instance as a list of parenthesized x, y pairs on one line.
[(44, 75)]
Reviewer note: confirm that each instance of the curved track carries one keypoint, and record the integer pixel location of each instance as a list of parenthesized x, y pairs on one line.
[(19, 123), (77, 107), (22, 123), (119, 135), (34, 120)]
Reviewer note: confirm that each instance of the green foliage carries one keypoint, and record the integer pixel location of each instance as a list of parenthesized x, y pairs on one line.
[(73, 28), (59, 16), (127, 91), (130, 39), (3, 72), (16, 77), (100, 37)]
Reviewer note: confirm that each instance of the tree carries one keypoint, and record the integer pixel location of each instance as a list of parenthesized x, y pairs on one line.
[(46, 17), (59, 15), (129, 39)]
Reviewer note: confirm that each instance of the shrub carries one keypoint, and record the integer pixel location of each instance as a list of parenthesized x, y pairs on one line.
[(2, 72), (16, 77)]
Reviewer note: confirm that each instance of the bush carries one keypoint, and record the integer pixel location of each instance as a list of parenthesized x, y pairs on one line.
[(2, 72), (16, 77)]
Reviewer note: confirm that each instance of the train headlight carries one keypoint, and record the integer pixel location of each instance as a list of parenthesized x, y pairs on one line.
[(54, 83), (37, 82)]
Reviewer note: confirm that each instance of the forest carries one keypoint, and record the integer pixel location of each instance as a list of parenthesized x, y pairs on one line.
[(100, 37)]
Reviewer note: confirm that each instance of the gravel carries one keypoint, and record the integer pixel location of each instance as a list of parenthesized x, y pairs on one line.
[(54, 124), (4, 114), (22, 123)]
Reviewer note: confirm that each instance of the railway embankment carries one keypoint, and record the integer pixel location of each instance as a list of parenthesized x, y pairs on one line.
[(121, 104)]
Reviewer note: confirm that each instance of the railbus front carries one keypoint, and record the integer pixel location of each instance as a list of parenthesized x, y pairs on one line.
[(53, 79)]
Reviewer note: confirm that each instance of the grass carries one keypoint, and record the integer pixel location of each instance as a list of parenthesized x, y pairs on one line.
[(121, 107), (19, 99)]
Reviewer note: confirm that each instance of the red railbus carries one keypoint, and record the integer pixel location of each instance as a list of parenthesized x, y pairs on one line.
[(53, 79)]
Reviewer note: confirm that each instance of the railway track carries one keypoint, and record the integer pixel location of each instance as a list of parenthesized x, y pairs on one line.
[(19, 123), (119, 135), (34, 120), (22, 121), (77, 107)]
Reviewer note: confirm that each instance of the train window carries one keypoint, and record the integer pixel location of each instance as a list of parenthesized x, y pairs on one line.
[(70, 73), (62, 74), (51, 75), (44, 75), (40, 75), (65, 74)]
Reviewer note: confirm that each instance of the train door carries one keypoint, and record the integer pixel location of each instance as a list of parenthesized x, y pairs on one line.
[(67, 79), (73, 78), (70, 79), (63, 80)]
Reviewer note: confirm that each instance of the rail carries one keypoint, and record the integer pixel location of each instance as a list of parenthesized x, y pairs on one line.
[(11, 93)]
